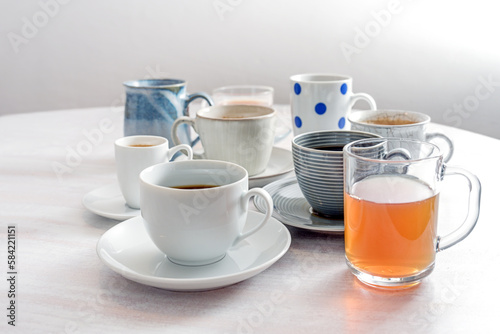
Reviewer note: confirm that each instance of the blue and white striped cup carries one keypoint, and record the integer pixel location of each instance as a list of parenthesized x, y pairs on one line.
[(319, 164)]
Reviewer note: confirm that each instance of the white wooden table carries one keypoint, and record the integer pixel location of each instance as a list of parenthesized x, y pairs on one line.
[(50, 160)]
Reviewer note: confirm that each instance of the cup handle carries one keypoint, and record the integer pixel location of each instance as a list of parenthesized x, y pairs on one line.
[(175, 137), (269, 211), (201, 95), (473, 213), (430, 136), (191, 98), (398, 152), (282, 133), (363, 96), (189, 151)]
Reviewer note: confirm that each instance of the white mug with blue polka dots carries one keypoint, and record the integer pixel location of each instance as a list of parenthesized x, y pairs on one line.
[(322, 102)]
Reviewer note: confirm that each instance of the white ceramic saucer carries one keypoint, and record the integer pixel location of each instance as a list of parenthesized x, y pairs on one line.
[(280, 164), (127, 249), (291, 208), (108, 202)]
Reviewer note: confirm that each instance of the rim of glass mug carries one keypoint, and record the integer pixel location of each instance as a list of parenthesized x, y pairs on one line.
[(253, 88), (435, 153), (359, 117), (154, 83), (319, 78)]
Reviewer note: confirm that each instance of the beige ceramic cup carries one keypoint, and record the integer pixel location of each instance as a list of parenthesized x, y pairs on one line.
[(241, 134)]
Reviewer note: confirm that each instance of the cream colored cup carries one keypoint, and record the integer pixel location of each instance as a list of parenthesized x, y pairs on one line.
[(242, 134)]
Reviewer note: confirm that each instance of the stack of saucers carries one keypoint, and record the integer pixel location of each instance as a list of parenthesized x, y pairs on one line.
[(319, 167)]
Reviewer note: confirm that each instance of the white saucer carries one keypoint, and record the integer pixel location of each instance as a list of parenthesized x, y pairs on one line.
[(280, 164), (108, 202), (291, 208), (127, 249)]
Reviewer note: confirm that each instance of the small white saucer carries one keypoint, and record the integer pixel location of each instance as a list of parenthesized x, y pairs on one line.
[(291, 208), (280, 164), (108, 202), (127, 249)]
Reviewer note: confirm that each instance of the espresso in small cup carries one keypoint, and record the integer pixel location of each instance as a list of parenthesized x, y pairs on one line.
[(195, 210), (133, 154), (242, 134)]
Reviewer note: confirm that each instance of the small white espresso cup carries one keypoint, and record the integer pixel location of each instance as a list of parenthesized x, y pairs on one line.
[(194, 211), (242, 134), (133, 154), (321, 101), (399, 124)]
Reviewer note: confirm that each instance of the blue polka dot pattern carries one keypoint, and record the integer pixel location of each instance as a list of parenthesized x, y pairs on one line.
[(298, 121), (297, 89), (341, 122), (343, 88), (320, 108)]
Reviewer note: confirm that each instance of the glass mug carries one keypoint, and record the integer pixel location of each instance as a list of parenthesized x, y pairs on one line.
[(244, 94), (391, 197)]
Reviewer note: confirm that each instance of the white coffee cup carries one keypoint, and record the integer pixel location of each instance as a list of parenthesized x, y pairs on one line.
[(242, 134), (399, 124), (133, 154), (196, 226), (323, 101)]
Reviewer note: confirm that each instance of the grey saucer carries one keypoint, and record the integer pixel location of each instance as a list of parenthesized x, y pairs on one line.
[(291, 208)]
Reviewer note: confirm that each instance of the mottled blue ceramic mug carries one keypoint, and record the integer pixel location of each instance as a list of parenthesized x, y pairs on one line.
[(152, 106)]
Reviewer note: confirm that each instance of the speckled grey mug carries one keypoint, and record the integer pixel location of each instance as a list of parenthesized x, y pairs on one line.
[(398, 124), (153, 105)]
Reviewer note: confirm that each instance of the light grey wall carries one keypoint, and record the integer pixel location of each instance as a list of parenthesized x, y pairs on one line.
[(438, 57)]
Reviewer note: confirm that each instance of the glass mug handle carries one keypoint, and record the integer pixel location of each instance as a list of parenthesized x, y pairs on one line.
[(269, 210), (473, 212), (175, 137), (448, 141), (363, 96)]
